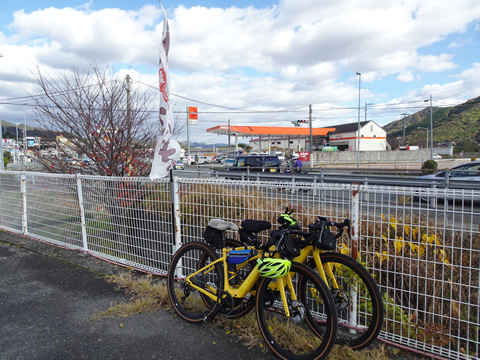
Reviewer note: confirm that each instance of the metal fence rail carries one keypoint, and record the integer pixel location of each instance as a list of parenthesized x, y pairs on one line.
[(422, 245)]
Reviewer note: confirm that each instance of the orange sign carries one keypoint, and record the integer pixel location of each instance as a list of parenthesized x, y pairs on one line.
[(192, 113)]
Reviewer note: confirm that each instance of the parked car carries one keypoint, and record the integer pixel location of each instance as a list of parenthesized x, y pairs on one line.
[(179, 165), (436, 156), (227, 162), (468, 171), (269, 163)]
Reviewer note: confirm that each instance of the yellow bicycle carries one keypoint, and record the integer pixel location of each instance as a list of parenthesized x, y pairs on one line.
[(358, 301), (294, 308)]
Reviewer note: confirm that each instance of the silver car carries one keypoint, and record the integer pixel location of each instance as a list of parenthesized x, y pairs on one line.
[(468, 171), (179, 165)]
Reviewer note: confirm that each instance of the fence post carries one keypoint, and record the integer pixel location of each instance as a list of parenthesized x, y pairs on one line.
[(354, 253), (82, 212), (355, 220), (23, 187), (175, 201), (177, 234)]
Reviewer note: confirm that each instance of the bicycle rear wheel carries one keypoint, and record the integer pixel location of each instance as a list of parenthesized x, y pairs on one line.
[(357, 300), (188, 302), (309, 333)]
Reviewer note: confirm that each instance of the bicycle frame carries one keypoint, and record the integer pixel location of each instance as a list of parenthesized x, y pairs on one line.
[(247, 284)]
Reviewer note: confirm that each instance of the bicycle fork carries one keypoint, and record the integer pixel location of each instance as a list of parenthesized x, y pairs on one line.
[(296, 305)]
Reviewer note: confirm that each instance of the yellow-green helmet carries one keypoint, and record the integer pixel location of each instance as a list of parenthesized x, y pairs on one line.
[(273, 268)]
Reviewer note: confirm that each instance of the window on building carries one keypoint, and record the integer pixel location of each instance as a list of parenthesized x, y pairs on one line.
[(371, 128)]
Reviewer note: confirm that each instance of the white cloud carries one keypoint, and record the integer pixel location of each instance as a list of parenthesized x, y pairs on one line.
[(290, 55)]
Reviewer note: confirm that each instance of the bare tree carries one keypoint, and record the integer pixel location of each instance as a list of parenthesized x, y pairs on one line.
[(98, 116)]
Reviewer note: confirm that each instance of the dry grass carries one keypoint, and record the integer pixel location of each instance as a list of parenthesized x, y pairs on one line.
[(149, 294)]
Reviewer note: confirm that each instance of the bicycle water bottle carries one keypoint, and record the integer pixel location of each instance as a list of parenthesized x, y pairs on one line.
[(234, 258)]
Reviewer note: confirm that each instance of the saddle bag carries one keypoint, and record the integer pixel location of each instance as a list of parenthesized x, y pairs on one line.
[(214, 237)]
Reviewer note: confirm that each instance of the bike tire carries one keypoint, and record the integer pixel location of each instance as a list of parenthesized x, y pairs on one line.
[(187, 301), (369, 304), (297, 337)]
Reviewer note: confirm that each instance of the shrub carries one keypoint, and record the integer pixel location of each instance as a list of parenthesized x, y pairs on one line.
[(430, 164)]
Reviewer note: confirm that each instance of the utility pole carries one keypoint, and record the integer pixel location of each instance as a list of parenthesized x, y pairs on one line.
[(229, 138), (1, 147), (25, 147), (311, 136), (431, 129), (188, 139), (404, 116), (366, 104), (128, 81), (358, 127)]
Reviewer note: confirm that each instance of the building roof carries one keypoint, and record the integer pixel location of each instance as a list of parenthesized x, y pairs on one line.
[(350, 127), (269, 130)]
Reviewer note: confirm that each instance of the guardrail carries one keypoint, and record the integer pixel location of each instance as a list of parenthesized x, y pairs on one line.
[(323, 176), (426, 260)]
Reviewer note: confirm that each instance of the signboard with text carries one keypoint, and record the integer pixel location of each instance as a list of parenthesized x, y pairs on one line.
[(304, 156)]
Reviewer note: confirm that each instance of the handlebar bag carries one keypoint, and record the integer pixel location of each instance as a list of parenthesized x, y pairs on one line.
[(325, 239), (286, 245)]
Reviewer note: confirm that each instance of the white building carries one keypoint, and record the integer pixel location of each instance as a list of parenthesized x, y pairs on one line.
[(372, 137)]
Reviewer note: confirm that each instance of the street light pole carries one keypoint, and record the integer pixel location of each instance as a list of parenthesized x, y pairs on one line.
[(358, 130), (424, 128), (1, 146), (404, 116), (17, 148), (1, 141), (431, 127), (311, 136)]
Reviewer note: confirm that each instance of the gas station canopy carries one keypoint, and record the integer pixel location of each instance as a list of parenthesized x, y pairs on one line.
[(268, 131)]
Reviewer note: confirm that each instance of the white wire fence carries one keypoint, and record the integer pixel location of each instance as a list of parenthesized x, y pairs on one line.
[(421, 245)]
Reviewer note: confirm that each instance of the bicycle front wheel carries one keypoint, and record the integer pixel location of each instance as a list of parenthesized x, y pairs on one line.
[(309, 332), (190, 303), (357, 300)]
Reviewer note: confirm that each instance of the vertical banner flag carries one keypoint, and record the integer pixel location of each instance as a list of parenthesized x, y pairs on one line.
[(167, 150)]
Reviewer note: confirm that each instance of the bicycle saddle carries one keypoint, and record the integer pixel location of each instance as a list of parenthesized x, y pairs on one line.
[(255, 226), (222, 225)]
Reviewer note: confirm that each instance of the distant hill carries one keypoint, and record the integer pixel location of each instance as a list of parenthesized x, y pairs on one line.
[(9, 131), (457, 124)]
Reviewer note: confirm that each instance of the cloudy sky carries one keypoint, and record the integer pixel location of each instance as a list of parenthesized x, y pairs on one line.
[(257, 62)]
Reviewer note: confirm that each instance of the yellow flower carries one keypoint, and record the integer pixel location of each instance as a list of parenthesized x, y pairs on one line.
[(414, 247), (383, 256), (343, 249), (393, 222), (398, 244), (407, 229), (421, 250), (443, 257)]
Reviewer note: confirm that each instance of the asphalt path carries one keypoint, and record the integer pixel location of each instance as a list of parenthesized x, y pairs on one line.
[(47, 299)]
